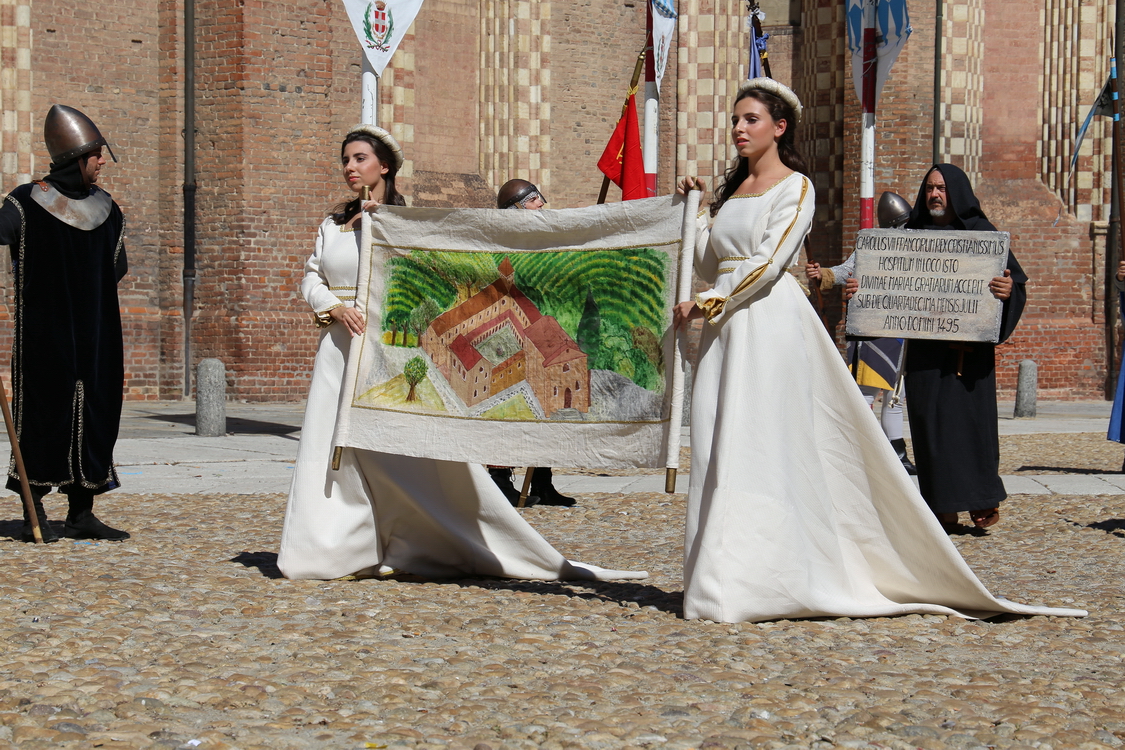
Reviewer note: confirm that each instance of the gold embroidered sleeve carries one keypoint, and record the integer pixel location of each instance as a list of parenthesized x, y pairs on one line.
[(322, 319), (712, 307)]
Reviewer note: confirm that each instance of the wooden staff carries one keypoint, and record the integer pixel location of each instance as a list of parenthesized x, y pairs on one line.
[(338, 450), (526, 486), (633, 84), (25, 488), (815, 290)]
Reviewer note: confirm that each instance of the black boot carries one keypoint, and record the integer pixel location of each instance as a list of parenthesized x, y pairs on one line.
[(900, 450), (45, 529), (502, 475), (81, 523), (542, 487)]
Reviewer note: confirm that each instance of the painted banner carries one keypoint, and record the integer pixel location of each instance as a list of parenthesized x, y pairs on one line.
[(380, 26), (520, 338), (892, 28)]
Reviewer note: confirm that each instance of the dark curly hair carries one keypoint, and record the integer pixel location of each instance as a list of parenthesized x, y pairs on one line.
[(342, 213), (786, 146)]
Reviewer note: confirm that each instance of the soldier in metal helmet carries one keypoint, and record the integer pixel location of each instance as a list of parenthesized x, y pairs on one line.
[(876, 364), (520, 194), (523, 194), (66, 237)]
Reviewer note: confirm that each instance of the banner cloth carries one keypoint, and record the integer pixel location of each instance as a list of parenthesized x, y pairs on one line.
[(517, 338)]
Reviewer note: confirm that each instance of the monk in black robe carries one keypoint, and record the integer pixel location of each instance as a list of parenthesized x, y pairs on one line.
[(66, 238), (951, 385)]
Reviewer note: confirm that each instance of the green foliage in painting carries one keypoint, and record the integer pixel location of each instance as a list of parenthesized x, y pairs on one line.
[(612, 302), (414, 371)]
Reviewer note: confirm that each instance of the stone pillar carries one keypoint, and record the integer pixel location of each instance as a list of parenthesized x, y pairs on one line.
[(1026, 388), (211, 398)]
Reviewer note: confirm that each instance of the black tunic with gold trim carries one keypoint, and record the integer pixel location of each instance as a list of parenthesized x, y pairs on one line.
[(67, 355)]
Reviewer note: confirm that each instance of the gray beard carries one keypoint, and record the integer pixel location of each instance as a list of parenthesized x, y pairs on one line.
[(937, 213)]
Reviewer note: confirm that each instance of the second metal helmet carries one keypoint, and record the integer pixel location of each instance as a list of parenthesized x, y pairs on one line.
[(516, 191), (68, 134), (893, 210)]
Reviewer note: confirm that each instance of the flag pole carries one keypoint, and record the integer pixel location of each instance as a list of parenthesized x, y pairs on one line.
[(1115, 234), (683, 293), (369, 88), (867, 140), (650, 150), (633, 84)]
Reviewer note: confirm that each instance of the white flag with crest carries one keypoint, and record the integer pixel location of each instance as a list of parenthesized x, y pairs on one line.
[(380, 26), (663, 34)]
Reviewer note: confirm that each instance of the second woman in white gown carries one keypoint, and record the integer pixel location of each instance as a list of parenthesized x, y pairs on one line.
[(798, 505), (380, 512)]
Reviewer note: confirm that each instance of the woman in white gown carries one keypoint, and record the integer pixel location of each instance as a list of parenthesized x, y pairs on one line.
[(380, 512), (798, 505)]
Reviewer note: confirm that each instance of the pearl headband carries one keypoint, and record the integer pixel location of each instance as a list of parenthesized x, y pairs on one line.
[(383, 137), (779, 90)]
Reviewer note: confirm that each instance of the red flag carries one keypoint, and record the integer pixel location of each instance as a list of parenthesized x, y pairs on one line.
[(621, 161)]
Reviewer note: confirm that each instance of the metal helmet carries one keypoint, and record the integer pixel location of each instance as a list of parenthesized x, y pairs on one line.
[(68, 134), (893, 210), (517, 192)]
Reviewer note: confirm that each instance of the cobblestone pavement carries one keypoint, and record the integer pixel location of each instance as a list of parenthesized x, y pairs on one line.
[(185, 636)]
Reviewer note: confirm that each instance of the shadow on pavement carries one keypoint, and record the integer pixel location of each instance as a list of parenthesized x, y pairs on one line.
[(620, 593), (623, 593), (11, 529), (1069, 470), (265, 562), (235, 425), (1113, 526)]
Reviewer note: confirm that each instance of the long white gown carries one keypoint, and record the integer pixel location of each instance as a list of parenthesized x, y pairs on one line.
[(379, 511), (798, 506)]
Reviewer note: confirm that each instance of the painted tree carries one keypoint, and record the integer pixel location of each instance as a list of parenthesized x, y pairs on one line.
[(415, 372), (467, 273), (589, 326), (421, 317)]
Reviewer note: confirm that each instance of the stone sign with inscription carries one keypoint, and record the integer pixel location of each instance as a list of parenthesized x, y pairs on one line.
[(927, 284)]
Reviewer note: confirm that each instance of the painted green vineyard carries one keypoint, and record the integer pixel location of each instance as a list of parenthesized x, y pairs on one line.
[(612, 302)]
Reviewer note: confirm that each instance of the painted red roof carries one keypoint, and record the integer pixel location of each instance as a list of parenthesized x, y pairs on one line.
[(465, 352), (496, 322), (553, 342), (481, 301)]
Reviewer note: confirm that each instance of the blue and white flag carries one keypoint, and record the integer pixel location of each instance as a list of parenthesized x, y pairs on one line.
[(757, 45), (663, 35), (892, 28), (381, 26)]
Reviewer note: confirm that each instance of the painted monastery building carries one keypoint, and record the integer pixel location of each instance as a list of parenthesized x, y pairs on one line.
[(498, 338)]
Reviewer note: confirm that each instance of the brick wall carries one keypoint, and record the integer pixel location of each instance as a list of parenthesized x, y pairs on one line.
[(485, 90), (115, 82)]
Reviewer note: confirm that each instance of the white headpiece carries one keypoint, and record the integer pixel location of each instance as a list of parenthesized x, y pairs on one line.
[(777, 89), (383, 137)]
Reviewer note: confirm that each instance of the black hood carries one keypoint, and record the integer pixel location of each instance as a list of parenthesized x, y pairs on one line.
[(964, 204), (67, 179)]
